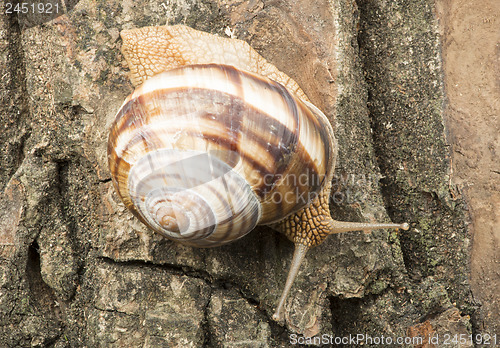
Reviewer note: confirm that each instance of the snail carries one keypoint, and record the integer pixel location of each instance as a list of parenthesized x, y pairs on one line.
[(215, 140)]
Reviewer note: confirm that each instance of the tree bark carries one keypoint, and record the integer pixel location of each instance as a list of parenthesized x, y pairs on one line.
[(78, 270)]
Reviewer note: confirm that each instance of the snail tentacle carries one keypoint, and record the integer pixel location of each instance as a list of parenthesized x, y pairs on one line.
[(299, 253), (344, 226), (309, 227)]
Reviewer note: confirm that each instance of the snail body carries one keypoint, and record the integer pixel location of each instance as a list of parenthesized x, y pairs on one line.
[(214, 141)]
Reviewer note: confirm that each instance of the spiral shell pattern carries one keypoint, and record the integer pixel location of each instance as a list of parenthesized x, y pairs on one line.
[(204, 153)]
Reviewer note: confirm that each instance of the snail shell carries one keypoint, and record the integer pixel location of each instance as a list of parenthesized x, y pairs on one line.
[(215, 140), (204, 153)]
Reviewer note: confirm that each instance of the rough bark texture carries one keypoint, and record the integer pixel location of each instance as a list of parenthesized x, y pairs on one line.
[(77, 270)]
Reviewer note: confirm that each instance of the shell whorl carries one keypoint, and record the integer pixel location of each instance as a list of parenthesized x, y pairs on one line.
[(184, 196), (222, 146)]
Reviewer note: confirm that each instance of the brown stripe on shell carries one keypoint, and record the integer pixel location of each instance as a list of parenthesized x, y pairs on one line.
[(321, 123), (230, 220), (139, 114), (142, 137), (231, 72), (231, 75), (253, 116), (219, 238)]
